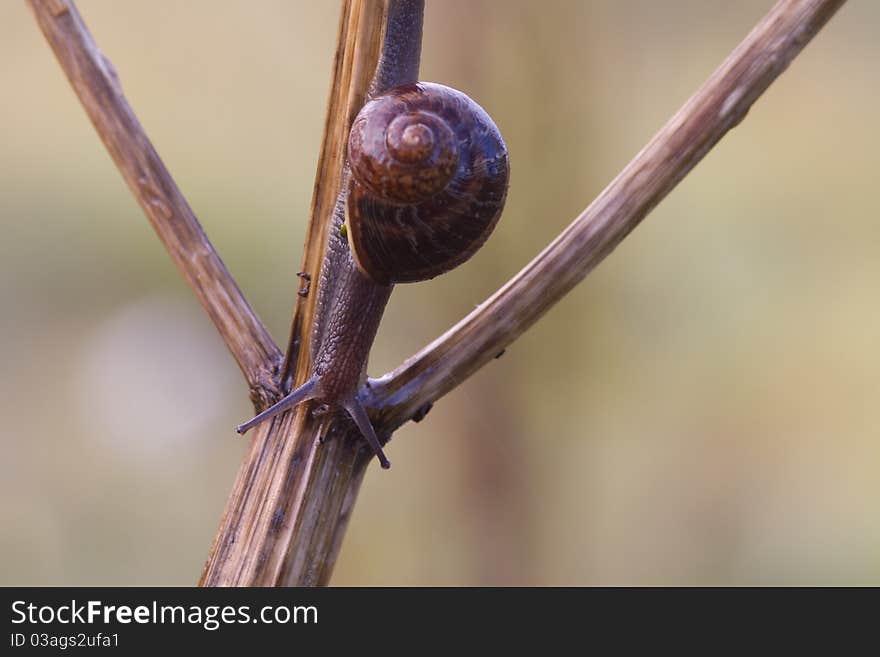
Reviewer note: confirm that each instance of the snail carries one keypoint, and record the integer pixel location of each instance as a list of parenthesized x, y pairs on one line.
[(425, 184)]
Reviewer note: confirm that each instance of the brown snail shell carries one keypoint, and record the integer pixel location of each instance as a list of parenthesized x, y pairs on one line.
[(429, 179)]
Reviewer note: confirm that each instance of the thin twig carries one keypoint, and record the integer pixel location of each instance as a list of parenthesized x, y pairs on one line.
[(96, 83), (719, 105)]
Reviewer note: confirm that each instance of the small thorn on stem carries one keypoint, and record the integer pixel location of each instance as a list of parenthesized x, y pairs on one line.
[(422, 411)]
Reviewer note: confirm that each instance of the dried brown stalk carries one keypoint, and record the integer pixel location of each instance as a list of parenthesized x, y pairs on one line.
[(357, 52), (286, 514), (289, 507), (95, 82)]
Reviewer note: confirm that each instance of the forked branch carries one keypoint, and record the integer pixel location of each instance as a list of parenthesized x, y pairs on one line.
[(289, 507)]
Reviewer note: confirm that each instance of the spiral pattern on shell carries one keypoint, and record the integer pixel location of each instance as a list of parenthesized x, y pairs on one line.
[(429, 180)]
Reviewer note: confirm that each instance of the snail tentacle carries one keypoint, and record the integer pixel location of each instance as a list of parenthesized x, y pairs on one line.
[(304, 393), (358, 413)]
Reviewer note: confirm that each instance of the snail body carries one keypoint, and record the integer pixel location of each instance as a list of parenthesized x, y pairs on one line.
[(425, 184)]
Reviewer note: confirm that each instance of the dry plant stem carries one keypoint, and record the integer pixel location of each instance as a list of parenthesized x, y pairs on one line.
[(290, 504), (95, 82), (718, 106), (715, 108), (357, 52), (287, 513)]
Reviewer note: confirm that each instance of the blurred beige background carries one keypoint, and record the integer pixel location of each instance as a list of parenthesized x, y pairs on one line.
[(702, 410)]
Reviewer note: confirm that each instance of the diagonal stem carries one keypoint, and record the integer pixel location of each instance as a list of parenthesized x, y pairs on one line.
[(719, 105), (97, 85)]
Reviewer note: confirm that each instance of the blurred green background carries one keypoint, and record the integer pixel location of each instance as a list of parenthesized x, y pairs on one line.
[(702, 410)]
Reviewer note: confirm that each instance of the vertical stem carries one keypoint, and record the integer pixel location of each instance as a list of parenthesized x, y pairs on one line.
[(294, 493), (316, 545)]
